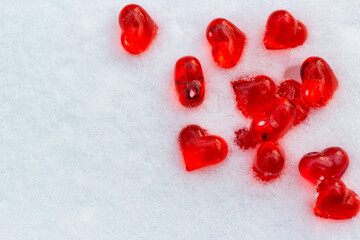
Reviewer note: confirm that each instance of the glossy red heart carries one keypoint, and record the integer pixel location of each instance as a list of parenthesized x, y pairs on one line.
[(332, 162), (189, 81), (227, 42), (335, 200), (284, 31), (200, 149), (318, 82), (291, 90), (138, 29), (253, 93), (269, 161), (276, 120)]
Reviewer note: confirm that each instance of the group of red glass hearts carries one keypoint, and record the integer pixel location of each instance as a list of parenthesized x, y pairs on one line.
[(325, 169), (273, 110)]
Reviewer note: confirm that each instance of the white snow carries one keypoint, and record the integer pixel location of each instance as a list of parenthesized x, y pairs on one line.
[(88, 133)]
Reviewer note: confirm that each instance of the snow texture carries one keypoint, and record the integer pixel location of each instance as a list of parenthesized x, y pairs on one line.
[(88, 140)]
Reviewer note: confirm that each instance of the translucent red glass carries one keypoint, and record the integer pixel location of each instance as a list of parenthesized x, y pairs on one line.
[(331, 162), (284, 31), (291, 90), (252, 94), (318, 82), (245, 139), (200, 149), (275, 121), (189, 81), (138, 29), (269, 161), (335, 200), (227, 42)]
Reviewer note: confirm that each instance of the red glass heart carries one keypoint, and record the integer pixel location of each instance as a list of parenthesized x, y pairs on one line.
[(269, 162), (275, 121), (227, 42), (318, 82), (284, 31), (245, 139), (200, 149), (332, 162), (138, 29), (189, 81), (252, 94), (291, 89), (335, 200)]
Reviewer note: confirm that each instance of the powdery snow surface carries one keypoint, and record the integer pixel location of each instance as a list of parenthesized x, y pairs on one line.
[(88, 140)]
